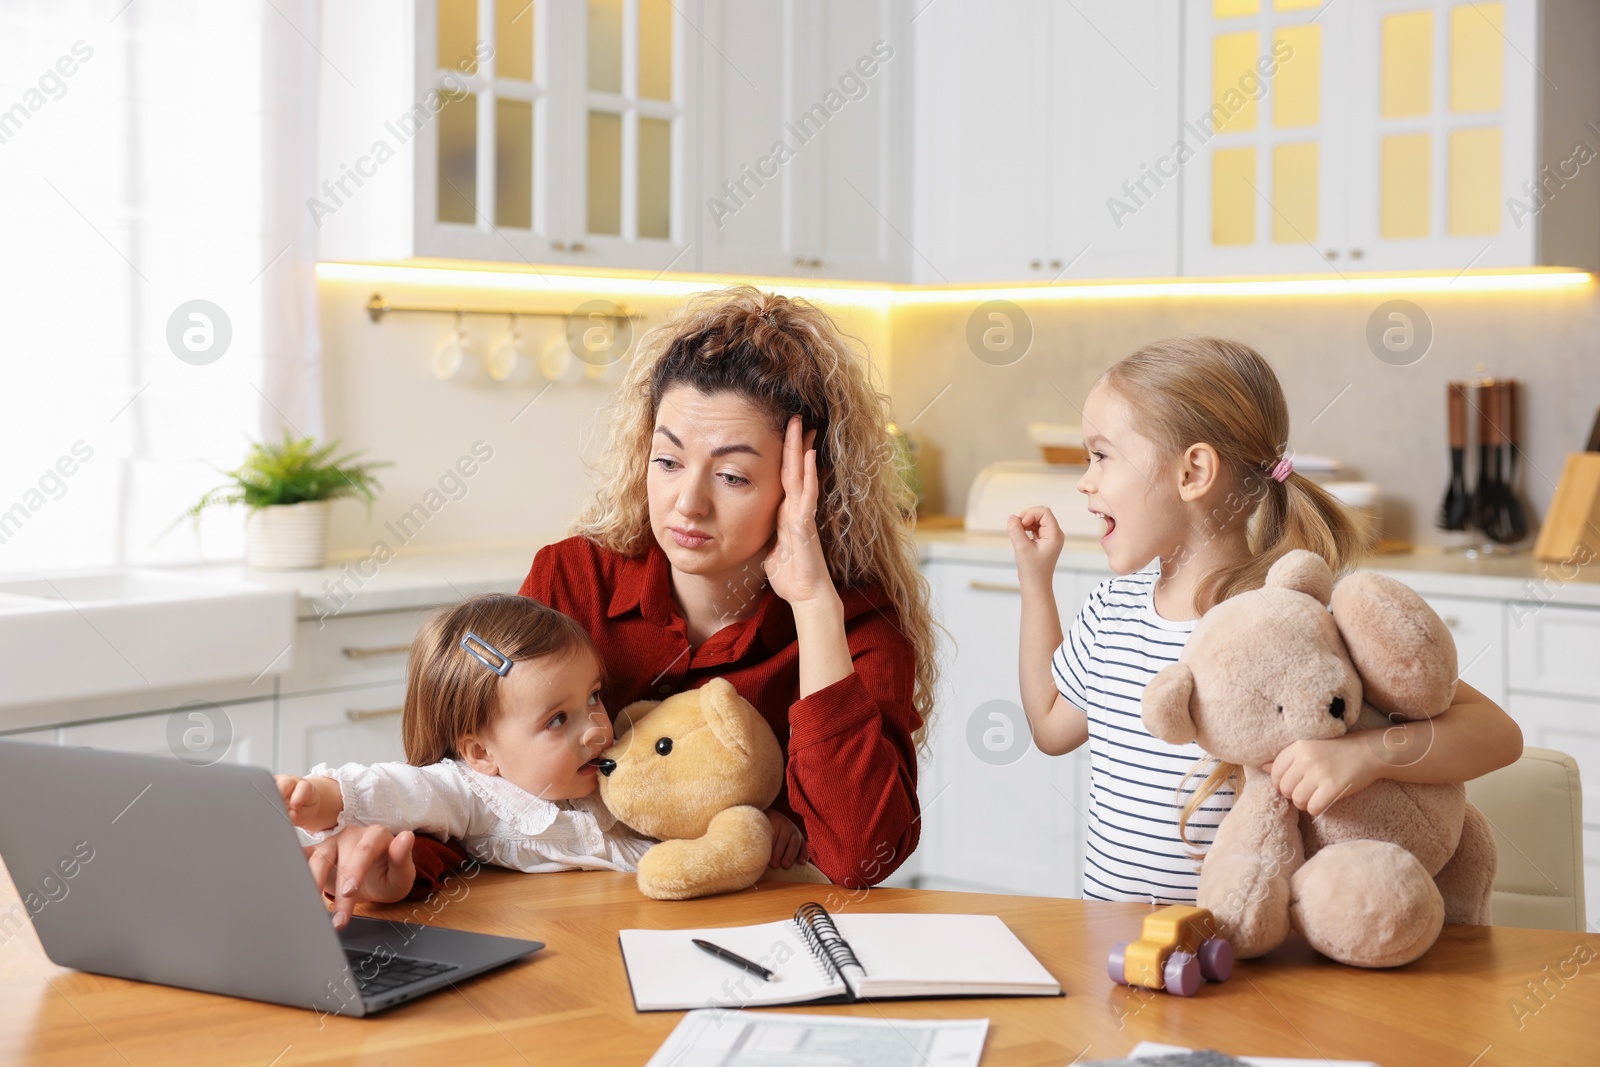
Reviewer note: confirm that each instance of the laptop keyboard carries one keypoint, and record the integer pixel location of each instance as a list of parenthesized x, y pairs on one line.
[(376, 974)]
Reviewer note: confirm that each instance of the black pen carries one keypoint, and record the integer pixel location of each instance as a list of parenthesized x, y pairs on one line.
[(733, 958)]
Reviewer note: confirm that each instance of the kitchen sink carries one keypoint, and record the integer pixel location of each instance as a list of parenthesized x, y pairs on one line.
[(115, 587), (78, 635)]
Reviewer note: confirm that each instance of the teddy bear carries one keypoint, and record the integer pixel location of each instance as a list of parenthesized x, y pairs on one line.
[(1371, 880), (696, 771)]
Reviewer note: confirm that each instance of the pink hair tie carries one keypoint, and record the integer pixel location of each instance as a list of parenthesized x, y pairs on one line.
[(1284, 468)]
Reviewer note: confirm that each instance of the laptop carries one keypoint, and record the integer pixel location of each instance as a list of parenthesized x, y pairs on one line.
[(154, 869)]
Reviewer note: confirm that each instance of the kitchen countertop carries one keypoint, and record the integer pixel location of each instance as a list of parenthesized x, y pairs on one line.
[(1428, 570), (424, 579), (354, 585)]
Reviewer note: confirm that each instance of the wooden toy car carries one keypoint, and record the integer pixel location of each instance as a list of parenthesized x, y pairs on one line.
[(1177, 948)]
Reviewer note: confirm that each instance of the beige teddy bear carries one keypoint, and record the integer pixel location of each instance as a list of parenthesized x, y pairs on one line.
[(1371, 880), (696, 771)]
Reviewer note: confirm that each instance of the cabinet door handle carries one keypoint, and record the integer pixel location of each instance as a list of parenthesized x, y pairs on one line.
[(368, 714), (380, 650), (993, 587), (577, 246), (1450, 621)]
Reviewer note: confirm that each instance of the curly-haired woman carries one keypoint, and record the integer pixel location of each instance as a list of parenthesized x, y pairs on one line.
[(747, 525)]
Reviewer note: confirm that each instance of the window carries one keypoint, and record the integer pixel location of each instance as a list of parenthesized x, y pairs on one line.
[(157, 269)]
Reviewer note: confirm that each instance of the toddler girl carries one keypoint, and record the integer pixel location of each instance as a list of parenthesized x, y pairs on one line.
[(1190, 473), (503, 728)]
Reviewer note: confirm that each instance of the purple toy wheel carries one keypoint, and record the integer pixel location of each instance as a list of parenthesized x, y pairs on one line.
[(1114, 963), (1182, 974), (1216, 959)]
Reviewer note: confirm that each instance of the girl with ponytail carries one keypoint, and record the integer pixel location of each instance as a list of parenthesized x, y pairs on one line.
[(1191, 474)]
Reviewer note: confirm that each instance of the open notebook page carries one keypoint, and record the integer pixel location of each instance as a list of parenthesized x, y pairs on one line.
[(668, 973), (907, 955)]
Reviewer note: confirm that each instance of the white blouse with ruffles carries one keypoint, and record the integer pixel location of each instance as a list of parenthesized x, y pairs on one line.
[(495, 821)]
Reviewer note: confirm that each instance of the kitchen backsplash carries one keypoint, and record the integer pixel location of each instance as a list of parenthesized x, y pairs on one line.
[(1385, 421), (381, 396)]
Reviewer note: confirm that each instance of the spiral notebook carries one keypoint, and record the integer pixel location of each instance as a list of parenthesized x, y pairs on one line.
[(819, 958)]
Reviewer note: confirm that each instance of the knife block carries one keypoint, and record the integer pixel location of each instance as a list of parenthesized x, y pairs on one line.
[(1571, 530)]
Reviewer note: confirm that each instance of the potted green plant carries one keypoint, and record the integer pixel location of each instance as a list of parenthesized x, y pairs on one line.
[(290, 489)]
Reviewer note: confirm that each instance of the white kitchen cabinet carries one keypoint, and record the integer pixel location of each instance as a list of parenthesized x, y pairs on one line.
[(348, 725), (805, 138), (1478, 627), (1044, 141), (351, 650), (1553, 649), (998, 815), (342, 701), (557, 131), (1379, 135), (198, 731)]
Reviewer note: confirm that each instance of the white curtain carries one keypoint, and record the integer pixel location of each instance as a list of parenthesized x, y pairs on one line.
[(152, 154)]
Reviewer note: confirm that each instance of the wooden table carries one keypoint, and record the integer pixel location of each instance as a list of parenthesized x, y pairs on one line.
[(570, 1004)]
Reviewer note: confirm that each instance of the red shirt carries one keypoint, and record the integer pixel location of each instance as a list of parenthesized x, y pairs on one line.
[(851, 779)]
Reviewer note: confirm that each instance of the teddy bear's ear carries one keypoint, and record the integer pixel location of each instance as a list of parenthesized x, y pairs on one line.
[(1165, 704), (1303, 571), (1402, 649), (726, 715), (630, 715)]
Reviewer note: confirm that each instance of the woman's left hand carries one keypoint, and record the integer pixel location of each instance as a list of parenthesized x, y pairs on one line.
[(795, 566), (788, 843), (1314, 774)]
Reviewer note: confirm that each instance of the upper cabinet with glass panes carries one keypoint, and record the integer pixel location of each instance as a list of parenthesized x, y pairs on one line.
[(834, 138), (1389, 135), (539, 131)]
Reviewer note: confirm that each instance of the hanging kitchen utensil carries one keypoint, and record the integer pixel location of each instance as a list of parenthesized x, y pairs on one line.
[(1454, 509), (1481, 513), (1497, 512), (1517, 517)]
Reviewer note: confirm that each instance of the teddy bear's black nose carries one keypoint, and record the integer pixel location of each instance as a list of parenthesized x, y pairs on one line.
[(663, 746), (1336, 709), (605, 766)]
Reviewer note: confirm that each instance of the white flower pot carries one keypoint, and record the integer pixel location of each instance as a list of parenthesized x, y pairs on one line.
[(288, 536)]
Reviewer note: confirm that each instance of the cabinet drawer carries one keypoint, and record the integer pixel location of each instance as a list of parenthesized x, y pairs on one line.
[(1479, 629), (352, 650), (1570, 726), (348, 726), (199, 731), (1554, 649)]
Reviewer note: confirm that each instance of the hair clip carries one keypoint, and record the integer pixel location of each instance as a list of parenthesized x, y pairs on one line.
[(505, 661)]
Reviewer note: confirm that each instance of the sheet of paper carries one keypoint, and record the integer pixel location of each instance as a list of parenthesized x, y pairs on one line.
[(1151, 1049), (711, 1037)]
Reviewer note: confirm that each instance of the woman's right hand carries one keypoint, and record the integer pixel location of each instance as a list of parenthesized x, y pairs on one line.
[(1036, 554), (362, 863)]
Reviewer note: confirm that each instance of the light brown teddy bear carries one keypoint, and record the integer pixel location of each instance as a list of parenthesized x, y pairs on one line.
[(1371, 880), (697, 771)]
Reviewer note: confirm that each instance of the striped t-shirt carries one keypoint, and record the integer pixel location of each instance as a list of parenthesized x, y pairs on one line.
[(1116, 645)]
